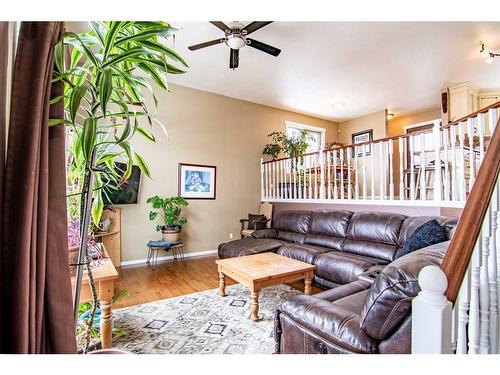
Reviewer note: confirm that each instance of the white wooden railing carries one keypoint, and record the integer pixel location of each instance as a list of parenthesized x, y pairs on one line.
[(438, 166), (469, 321)]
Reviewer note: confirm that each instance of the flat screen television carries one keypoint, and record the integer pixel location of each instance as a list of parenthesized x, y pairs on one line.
[(128, 192)]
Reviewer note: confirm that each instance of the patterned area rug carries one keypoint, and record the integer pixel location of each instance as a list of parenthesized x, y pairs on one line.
[(202, 323)]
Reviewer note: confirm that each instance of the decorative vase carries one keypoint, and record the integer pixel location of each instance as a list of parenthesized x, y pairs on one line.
[(171, 235)]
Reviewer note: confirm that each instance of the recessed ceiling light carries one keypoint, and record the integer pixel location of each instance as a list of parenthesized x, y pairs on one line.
[(339, 104)]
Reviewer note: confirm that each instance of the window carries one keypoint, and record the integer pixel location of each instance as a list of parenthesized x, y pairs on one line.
[(317, 135)]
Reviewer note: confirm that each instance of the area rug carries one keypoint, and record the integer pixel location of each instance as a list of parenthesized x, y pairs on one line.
[(202, 323)]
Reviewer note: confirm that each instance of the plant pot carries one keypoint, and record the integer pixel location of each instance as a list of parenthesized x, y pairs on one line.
[(171, 235)]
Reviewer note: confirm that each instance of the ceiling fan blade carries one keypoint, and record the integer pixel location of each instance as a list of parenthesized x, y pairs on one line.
[(220, 25), (263, 47), (234, 58), (255, 25), (206, 44)]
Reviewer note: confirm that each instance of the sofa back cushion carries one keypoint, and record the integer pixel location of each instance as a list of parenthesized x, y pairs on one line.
[(412, 223), (328, 228), (388, 301), (292, 225), (374, 234)]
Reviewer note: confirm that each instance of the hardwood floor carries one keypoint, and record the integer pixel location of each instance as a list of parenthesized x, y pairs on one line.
[(171, 279)]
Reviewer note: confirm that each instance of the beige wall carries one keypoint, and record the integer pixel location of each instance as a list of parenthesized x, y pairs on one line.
[(211, 129), (395, 126), (376, 121)]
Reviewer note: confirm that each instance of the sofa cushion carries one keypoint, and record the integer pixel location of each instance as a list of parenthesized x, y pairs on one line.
[(331, 242), (412, 223), (256, 221), (341, 267), (337, 323), (248, 246), (292, 221), (330, 222), (381, 251), (375, 227), (291, 236), (264, 233), (425, 235), (302, 252), (389, 298)]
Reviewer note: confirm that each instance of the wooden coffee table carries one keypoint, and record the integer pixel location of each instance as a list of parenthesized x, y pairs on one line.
[(263, 270)]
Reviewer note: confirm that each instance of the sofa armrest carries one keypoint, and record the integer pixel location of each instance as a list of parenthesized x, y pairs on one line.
[(336, 325), (265, 233)]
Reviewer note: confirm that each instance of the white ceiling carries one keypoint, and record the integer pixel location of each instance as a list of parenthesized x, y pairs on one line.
[(370, 65)]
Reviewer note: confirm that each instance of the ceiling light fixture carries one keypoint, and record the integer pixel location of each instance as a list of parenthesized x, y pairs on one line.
[(487, 54), (339, 104)]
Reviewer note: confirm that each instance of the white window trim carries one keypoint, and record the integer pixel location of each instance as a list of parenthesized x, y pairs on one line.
[(420, 124), (307, 127)]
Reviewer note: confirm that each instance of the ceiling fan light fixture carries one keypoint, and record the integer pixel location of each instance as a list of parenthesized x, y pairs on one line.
[(236, 41)]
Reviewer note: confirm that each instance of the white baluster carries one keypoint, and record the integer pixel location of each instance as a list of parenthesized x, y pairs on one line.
[(383, 177), (364, 169), (310, 165), (472, 157), (492, 119), (463, 317), (315, 158), (461, 158), (262, 194), (438, 184), (493, 273), (474, 322), (301, 177), (401, 169), (484, 290), (342, 173), (349, 185), (497, 246), (280, 179), (481, 119), (454, 182), (329, 169), (431, 314), (335, 188), (423, 190), (372, 173), (446, 166), (454, 328), (390, 146), (321, 157), (356, 173), (412, 167)]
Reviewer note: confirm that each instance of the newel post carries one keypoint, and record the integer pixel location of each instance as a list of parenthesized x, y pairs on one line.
[(431, 314)]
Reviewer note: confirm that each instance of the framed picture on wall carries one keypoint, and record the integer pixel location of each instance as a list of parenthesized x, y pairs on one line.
[(197, 181), (362, 137)]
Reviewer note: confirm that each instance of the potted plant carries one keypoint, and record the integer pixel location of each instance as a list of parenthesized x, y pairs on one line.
[(291, 145), (169, 209), (108, 73)]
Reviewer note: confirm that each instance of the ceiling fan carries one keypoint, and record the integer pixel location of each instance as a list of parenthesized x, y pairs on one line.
[(236, 37)]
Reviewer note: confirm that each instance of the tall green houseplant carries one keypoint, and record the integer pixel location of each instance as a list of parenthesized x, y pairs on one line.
[(109, 75)]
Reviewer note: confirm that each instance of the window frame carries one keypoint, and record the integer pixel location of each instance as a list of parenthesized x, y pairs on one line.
[(317, 129)]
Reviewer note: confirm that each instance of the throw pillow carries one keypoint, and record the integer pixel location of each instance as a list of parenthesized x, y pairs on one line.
[(253, 221), (425, 235)]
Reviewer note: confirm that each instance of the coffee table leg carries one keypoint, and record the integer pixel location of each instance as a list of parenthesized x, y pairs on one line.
[(255, 305), (307, 284), (222, 284)]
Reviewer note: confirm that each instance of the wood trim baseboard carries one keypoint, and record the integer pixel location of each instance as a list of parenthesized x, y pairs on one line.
[(169, 257)]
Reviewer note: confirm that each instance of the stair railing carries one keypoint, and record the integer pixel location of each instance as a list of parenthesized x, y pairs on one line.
[(456, 310)]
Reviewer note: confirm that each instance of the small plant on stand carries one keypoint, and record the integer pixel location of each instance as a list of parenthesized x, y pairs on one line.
[(169, 210)]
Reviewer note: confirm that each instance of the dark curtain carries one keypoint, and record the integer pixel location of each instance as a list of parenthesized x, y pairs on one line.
[(35, 281)]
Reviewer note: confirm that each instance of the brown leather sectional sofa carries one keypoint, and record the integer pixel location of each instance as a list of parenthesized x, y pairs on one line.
[(369, 286)]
